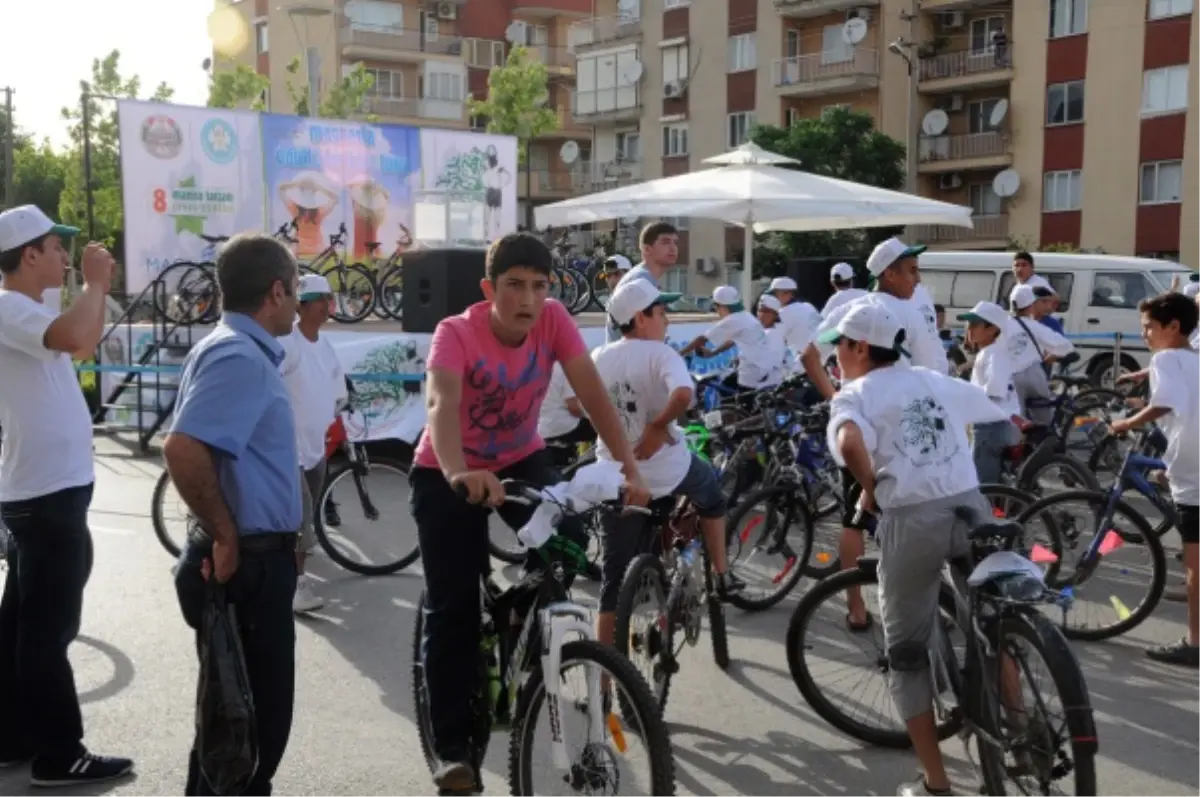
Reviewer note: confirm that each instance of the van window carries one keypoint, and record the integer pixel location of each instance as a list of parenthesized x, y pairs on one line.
[(958, 288), (1061, 282), (940, 284), (1121, 289)]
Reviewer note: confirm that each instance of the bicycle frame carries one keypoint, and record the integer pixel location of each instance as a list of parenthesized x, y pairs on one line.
[(1133, 476)]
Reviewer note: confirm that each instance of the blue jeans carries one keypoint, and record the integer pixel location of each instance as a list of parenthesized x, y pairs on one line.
[(991, 441)]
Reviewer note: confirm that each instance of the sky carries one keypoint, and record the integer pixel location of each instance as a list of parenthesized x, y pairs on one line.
[(49, 46)]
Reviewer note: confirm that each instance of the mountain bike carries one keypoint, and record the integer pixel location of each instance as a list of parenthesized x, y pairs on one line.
[(389, 278), (533, 636), (354, 288)]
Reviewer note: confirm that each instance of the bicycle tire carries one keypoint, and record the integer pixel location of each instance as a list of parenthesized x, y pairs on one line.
[(209, 293), (389, 283), (624, 613), (1158, 559), (1052, 646), (802, 618), (335, 475), (798, 568), (365, 279), (156, 514), (584, 299), (632, 687), (1027, 480), (716, 621), (511, 556)]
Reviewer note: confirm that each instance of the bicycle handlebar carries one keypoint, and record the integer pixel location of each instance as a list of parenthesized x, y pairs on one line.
[(529, 494)]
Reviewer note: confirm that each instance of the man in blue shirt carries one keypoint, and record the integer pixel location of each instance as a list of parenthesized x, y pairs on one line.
[(660, 249), (231, 453)]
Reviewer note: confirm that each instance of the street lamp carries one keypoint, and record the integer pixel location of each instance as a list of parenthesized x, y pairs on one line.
[(312, 57)]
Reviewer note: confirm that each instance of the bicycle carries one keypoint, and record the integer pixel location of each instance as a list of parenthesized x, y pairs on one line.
[(389, 279), (354, 288), (994, 593), (532, 634)]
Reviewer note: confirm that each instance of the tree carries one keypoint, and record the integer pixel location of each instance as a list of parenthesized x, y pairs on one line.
[(840, 143), (38, 175), (344, 100), (516, 100), (241, 85)]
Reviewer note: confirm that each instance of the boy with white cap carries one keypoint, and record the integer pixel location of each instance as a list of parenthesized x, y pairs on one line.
[(649, 384), (902, 433), (798, 323), (841, 276), (1032, 345), (986, 323), (615, 267), (758, 366), (770, 313)]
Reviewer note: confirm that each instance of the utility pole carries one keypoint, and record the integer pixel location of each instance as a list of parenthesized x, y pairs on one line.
[(10, 136), (86, 122)]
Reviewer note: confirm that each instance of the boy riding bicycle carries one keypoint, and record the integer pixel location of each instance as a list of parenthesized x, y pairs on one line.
[(488, 372)]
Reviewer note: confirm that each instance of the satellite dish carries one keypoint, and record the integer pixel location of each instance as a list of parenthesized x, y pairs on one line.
[(632, 72), (854, 31), (514, 33), (935, 122), (569, 152), (999, 112), (1006, 183)]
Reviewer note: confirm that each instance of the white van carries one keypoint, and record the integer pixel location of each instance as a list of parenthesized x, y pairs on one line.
[(1099, 295)]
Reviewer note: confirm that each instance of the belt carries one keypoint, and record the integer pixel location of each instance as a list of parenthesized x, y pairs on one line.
[(264, 542)]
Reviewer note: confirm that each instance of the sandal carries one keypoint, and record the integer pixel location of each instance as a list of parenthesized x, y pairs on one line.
[(860, 628)]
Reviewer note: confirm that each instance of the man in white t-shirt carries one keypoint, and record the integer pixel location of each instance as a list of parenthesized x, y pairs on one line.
[(797, 315), (317, 385), (1032, 346), (758, 366), (649, 384), (46, 482), (769, 311), (986, 325), (562, 423), (841, 276), (902, 433)]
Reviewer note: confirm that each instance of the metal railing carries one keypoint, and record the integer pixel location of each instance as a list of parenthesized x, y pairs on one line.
[(603, 176), (604, 29), (963, 147), (383, 37), (987, 228), (420, 107), (967, 62), (808, 69), (817, 8)]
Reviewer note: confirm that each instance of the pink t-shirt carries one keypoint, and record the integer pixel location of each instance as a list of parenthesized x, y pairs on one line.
[(503, 386)]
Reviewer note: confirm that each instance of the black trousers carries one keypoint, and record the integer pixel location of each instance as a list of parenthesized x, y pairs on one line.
[(261, 591), (454, 554), (562, 457), (49, 561)]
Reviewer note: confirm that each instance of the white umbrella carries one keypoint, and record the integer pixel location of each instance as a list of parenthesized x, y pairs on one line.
[(751, 189)]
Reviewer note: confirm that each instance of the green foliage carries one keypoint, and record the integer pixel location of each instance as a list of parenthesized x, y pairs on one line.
[(840, 143), (238, 87), (39, 174), (516, 100), (1027, 244), (343, 101)]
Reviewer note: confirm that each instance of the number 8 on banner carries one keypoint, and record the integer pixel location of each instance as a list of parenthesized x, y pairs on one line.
[(160, 201)]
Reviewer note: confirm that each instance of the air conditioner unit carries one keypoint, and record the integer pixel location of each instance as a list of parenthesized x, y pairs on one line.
[(949, 182), (447, 11), (952, 19), (862, 13), (953, 104), (675, 89)]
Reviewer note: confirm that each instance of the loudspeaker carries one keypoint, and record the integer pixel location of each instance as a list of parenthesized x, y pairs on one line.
[(439, 283)]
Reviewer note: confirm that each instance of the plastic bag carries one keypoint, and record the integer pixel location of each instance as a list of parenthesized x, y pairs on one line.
[(226, 734)]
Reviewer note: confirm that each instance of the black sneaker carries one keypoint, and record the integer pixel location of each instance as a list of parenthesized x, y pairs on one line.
[(87, 768), (729, 584), (454, 777), (1181, 652)]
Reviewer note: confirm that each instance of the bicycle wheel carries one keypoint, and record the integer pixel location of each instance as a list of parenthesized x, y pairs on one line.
[(390, 298), (503, 543), (594, 768), (354, 292), (1039, 754), (650, 639), (822, 613), (188, 294), (1135, 566), (1045, 473), (769, 539), (169, 527), (716, 618), (382, 493)]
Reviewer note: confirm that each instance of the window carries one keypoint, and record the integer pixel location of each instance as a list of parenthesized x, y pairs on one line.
[(530, 35), (1061, 282), (791, 47), (738, 128), (1160, 9), (675, 140), (743, 55), (680, 222), (983, 200), (979, 116), (1062, 191), (958, 288), (260, 37), (981, 33), (373, 15), (629, 145), (1064, 103), (1123, 290), (1165, 90), (387, 83), (791, 117), (676, 280), (1162, 182), (484, 53), (676, 3), (1067, 17), (675, 64), (444, 86), (429, 26), (834, 49)]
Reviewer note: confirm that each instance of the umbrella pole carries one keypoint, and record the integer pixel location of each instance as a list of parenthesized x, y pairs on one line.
[(747, 262)]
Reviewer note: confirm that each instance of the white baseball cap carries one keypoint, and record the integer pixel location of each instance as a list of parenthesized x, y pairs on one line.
[(889, 252), (770, 302), (1024, 295), (782, 284), (1191, 289), (988, 313), (868, 323), (842, 272), (618, 262), (633, 297), (726, 295), (26, 223), (314, 286)]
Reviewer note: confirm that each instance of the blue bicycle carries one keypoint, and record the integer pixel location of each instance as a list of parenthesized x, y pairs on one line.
[(1096, 539)]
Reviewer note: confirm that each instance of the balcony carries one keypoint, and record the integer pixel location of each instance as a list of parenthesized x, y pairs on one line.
[(557, 60), (603, 106), (593, 177), (817, 74), (938, 6), (397, 44), (484, 53), (990, 232), (603, 30), (415, 108), (938, 154), (806, 9), (553, 8), (967, 69), (546, 183), (568, 127)]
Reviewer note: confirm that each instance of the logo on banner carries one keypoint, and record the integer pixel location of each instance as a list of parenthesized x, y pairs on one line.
[(162, 137), (191, 204), (219, 141)]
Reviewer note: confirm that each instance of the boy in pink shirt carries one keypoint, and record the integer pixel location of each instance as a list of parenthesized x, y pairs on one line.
[(488, 370)]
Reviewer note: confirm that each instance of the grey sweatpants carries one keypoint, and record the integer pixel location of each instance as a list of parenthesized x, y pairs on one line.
[(914, 542), (312, 482), (1033, 383)]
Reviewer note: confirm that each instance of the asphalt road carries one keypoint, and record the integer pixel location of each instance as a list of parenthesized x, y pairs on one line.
[(745, 731)]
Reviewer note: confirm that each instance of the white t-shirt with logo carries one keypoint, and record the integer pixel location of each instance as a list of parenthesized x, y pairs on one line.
[(640, 376), (993, 372), (760, 364), (840, 298), (797, 325), (316, 382), (921, 339), (1175, 385), (554, 419), (1019, 337), (914, 425), (44, 418)]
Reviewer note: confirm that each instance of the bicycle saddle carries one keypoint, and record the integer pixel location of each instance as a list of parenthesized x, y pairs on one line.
[(996, 529), (214, 239)]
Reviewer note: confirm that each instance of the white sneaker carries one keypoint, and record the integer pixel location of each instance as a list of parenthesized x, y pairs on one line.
[(917, 787), (305, 600)]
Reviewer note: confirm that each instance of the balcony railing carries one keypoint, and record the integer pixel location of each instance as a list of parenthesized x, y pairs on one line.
[(567, 126), (803, 70), (603, 29), (967, 62), (592, 177), (554, 57), (818, 8), (964, 147), (388, 38), (987, 228), (611, 103), (414, 107)]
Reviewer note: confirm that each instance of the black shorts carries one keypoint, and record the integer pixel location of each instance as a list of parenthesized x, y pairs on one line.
[(1189, 522), (851, 490)]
